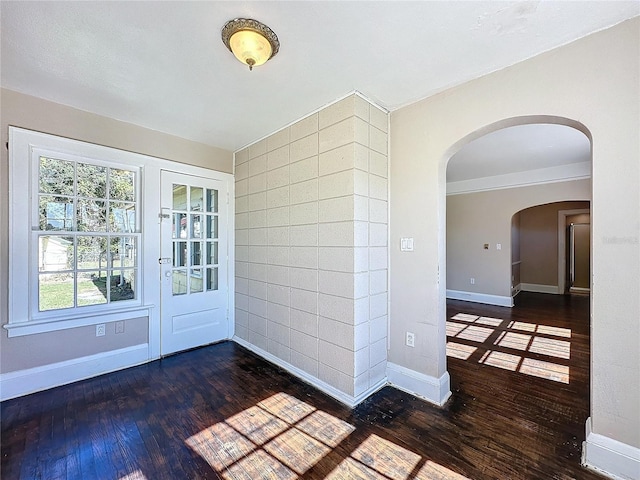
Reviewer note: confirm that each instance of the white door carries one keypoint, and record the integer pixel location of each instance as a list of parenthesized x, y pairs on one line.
[(193, 244)]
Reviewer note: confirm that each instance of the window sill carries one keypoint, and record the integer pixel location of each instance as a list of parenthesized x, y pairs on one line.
[(19, 329)]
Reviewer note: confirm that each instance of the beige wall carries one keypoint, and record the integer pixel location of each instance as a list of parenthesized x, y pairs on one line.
[(485, 217), (28, 112), (594, 81), (19, 353), (311, 245), (539, 242)]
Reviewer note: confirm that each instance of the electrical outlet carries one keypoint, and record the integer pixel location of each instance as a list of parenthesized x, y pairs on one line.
[(411, 339), (472, 281), (100, 330), (120, 326)]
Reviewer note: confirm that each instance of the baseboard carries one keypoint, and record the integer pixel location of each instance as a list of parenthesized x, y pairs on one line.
[(516, 290), (431, 389), (537, 288), (480, 298), (610, 457), (580, 290), (342, 397), (31, 380)]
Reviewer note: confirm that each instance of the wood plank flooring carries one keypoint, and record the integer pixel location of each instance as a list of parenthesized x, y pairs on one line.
[(519, 377)]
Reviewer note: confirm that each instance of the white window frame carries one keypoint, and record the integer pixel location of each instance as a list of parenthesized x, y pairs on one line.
[(25, 150)]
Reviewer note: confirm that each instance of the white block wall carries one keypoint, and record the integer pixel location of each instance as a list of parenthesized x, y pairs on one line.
[(311, 245)]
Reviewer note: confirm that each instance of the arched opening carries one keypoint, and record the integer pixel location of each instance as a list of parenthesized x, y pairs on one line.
[(550, 248), (490, 179), (503, 236)]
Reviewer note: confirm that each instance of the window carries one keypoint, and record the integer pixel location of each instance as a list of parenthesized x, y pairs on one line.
[(74, 233), (87, 237)]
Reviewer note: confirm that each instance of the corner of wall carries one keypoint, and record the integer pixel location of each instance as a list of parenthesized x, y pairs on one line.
[(610, 457), (432, 389)]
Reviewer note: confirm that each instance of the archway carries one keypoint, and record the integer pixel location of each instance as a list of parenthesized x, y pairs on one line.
[(479, 254), (542, 249), (493, 242)]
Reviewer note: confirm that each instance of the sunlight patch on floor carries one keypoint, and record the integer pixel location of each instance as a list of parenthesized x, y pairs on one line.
[(516, 341), (380, 459), (377, 458), (494, 322), (432, 470), (551, 347), (502, 360), (459, 350), (548, 370), (280, 437), (465, 317), (476, 333)]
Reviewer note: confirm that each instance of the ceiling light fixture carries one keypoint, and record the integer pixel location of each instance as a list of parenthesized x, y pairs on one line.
[(252, 42)]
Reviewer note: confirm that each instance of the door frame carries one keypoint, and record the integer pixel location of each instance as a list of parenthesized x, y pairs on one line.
[(151, 241), (167, 299), (562, 245)]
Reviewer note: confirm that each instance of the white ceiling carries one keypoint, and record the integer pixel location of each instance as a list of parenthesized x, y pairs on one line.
[(162, 65), (519, 149)]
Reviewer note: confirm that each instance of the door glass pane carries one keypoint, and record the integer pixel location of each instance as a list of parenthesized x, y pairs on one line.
[(123, 252), (179, 282), (92, 181), (179, 254), (92, 253), (212, 200), (56, 176), (212, 226), (196, 253), (56, 213), (55, 253), (122, 217), (196, 226), (212, 278), (121, 185), (92, 288), (212, 253), (179, 197), (179, 229), (196, 280), (196, 199), (92, 215), (123, 285), (55, 291)]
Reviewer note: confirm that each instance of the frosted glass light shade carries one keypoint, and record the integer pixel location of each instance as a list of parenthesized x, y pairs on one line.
[(250, 47), (252, 42)]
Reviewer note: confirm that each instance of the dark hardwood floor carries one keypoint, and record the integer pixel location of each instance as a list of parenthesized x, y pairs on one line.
[(519, 377)]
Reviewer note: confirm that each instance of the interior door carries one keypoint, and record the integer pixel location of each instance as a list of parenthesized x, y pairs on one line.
[(193, 244)]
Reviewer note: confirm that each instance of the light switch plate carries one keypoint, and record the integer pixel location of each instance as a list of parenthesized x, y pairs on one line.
[(406, 244)]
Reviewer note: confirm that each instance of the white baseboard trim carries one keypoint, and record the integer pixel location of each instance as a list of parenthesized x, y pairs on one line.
[(536, 288), (516, 290), (480, 298), (342, 397), (610, 457), (431, 389), (31, 380), (579, 290)]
